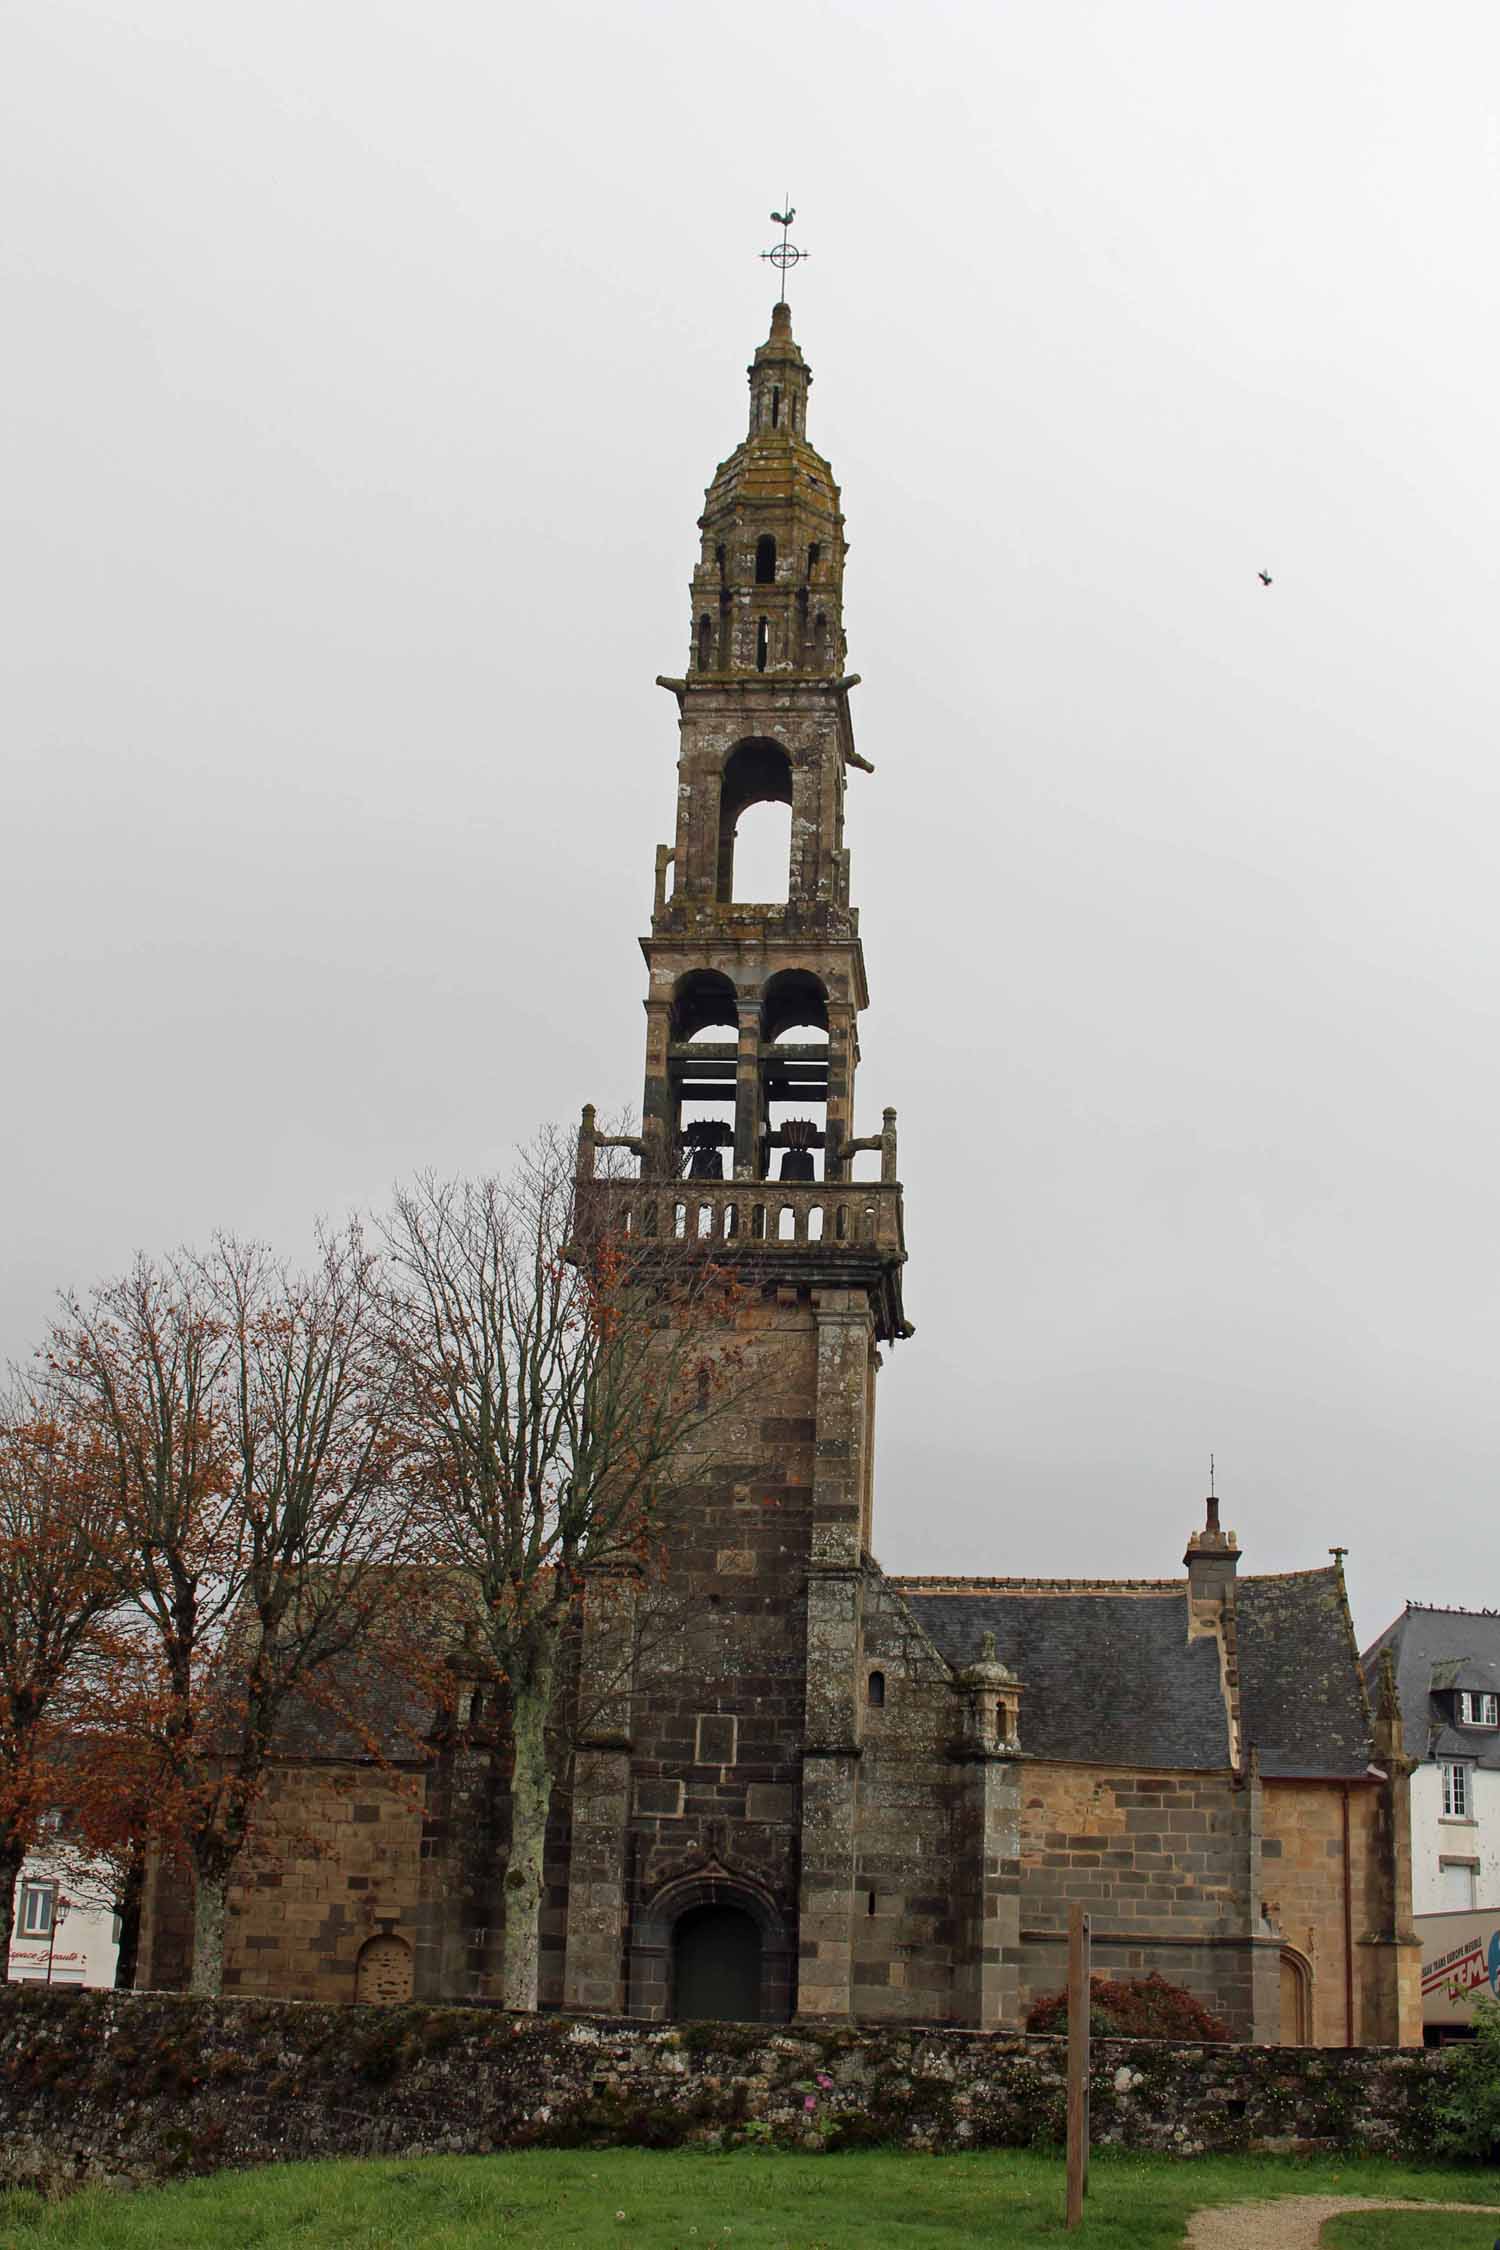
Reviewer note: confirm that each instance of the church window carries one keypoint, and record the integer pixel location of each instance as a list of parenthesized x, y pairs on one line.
[(1456, 1795), (705, 642), (814, 556), (719, 559), (765, 560), (870, 1907), (762, 645), (775, 408), (1478, 1710), (875, 1691)]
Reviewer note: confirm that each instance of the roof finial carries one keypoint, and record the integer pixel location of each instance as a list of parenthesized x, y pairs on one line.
[(786, 254)]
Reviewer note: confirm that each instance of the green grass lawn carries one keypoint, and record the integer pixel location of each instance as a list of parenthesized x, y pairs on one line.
[(688, 2200), (1411, 2230)]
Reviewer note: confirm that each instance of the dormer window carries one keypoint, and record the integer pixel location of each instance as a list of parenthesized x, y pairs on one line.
[(1478, 1710)]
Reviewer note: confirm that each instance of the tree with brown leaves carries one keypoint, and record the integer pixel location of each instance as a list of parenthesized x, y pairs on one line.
[(245, 1414), (60, 1581)]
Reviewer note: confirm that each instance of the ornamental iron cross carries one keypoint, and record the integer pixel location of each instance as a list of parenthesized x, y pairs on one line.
[(786, 254)]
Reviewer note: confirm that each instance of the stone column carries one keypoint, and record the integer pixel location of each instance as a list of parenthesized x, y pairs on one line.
[(747, 1102), (594, 1962), (659, 1106), (1391, 1951), (1259, 2013), (987, 1971), (457, 1913), (841, 1053), (831, 1750), (987, 1975)]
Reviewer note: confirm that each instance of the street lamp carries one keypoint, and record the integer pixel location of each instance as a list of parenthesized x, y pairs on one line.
[(60, 1907)]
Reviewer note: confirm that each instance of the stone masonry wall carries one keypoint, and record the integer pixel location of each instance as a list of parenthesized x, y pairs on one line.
[(131, 2087), (1156, 1858), (1302, 1856), (335, 1864)]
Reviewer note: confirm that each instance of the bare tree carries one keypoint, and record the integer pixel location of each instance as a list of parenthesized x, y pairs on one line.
[(556, 1379), (246, 1414), (59, 1582)]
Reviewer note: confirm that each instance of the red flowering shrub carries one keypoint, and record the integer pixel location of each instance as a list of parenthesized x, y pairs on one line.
[(1146, 2008)]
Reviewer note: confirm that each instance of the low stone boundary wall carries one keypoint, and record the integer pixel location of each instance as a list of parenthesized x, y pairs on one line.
[(142, 2086)]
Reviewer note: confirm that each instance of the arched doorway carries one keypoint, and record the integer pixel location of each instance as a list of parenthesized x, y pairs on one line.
[(716, 1966), (714, 1946), (1296, 1999), (383, 1972)]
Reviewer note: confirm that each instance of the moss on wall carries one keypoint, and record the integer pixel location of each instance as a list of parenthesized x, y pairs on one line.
[(141, 2086)]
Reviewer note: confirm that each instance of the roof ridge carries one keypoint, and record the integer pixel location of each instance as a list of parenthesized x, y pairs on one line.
[(1448, 1609), (1047, 1585)]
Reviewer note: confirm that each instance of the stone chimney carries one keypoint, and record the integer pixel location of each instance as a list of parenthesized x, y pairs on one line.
[(1212, 1559)]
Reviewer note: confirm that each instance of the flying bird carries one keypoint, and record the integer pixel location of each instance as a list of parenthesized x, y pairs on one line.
[(1264, 576), (785, 218)]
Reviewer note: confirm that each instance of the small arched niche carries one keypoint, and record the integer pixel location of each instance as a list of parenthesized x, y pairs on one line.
[(757, 773), (383, 1971)]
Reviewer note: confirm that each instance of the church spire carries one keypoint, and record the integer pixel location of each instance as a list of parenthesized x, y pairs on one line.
[(768, 590), (779, 381)]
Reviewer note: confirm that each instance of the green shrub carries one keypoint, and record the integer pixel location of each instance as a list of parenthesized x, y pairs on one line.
[(1145, 2008), (1467, 2111)]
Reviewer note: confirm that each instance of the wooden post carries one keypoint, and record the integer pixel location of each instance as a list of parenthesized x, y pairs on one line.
[(1080, 2000)]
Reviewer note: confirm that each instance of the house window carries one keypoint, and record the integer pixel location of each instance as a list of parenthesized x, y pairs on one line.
[(1456, 1792), (36, 1909), (1457, 1886), (1475, 1710)]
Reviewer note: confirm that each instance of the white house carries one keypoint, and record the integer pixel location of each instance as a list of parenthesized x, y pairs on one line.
[(65, 1930), (1448, 1679)]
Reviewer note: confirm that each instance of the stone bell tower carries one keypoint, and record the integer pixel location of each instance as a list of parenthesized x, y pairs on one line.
[(729, 1787)]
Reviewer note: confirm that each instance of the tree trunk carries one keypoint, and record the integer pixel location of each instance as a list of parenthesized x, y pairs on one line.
[(210, 1911), (128, 1907), (530, 1803), (10, 1874)]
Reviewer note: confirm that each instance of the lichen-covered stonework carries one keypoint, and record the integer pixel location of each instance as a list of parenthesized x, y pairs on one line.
[(134, 2087)]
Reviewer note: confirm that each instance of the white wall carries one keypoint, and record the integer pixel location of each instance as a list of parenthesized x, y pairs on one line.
[(1434, 1839), (85, 1949)]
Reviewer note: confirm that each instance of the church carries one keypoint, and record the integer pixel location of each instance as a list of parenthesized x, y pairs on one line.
[(836, 1794)]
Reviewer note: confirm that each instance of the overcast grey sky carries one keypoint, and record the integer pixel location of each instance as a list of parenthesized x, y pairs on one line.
[(363, 368)]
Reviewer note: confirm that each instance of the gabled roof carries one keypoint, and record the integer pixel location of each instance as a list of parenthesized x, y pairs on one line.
[(1436, 1651), (1112, 1676), (1301, 1702)]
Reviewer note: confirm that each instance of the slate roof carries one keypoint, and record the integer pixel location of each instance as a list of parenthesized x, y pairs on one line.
[(1300, 1699), (1437, 1650), (1110, 1677)]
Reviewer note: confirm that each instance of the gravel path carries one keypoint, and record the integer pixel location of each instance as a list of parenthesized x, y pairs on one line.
[(1292, 2222)]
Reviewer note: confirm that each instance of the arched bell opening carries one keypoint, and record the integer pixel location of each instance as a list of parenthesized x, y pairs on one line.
[(795, 1058), (703, 1030), (711, 1948), (756, 773)]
